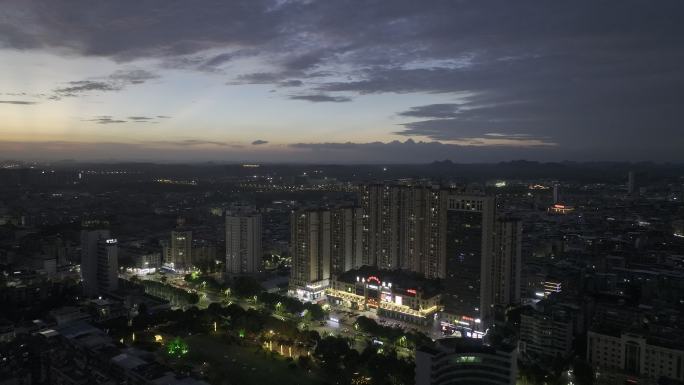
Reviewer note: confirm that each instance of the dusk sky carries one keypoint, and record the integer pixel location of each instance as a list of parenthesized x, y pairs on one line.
[(336, 81)]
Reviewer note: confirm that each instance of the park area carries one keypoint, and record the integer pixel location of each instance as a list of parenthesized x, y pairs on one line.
[(245, 364)]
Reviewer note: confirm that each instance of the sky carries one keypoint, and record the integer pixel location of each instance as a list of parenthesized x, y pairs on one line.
[(342, 81)]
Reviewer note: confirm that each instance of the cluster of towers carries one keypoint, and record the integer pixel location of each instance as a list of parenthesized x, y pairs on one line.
[(436, 232)]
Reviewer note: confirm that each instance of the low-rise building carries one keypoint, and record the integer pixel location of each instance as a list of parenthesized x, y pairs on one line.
[(393, 294), (635, 357), (465, 361)]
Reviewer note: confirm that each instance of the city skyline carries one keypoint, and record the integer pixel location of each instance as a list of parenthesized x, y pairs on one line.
[(339, 82)]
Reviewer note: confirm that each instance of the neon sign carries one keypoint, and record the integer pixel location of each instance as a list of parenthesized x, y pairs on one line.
[(374, 278), (411, 291)]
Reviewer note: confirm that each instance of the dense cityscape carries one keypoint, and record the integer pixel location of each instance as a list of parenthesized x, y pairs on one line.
[(341, 192), (524, 273)]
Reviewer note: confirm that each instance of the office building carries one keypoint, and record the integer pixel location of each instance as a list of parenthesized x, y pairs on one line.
[(465, 361), (507, 261), (99, 262), (180, 253), (469, 282), (243, 242)]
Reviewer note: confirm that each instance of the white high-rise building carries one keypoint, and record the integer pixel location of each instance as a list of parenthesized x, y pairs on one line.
[(99, 262), (243, 242)]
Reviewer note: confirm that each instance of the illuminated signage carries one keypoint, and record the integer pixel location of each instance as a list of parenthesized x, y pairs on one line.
[(374, 278), (411, 291), (110, 241)]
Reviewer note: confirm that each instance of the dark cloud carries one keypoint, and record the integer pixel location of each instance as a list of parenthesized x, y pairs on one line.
[(140, 118), (18, 102), (117, 81), (163, 117), (79, 86), (318, 98), (291, 83), (259, 142), (135, 76)]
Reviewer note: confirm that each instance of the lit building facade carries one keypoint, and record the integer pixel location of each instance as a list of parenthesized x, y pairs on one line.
[(392, 294), (243, 243), (465, 361), (443, 233)]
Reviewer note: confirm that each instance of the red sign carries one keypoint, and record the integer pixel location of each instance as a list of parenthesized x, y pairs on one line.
[(411, 291), (374, 278)]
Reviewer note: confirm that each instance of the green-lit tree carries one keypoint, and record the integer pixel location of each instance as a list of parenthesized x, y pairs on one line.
[(177, 348)]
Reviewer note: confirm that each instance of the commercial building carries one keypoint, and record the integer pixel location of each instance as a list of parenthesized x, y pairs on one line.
[(99, 262), (403, 296), (243, 242), (465, 361), (443, 233), (621, 357), (180, 254)]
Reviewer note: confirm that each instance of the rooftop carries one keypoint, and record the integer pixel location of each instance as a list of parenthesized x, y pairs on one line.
[(399, 279)]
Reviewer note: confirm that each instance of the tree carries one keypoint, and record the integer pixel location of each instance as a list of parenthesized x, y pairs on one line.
[(246, 287)]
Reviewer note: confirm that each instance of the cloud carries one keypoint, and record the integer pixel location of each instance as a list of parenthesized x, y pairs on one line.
[(117, 81), (105, 119), (85, 86), (134, 76), (259, 142), (18, 102), (192, 142), (108, 119), (318, 98), (580, 73), (290, 83)]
